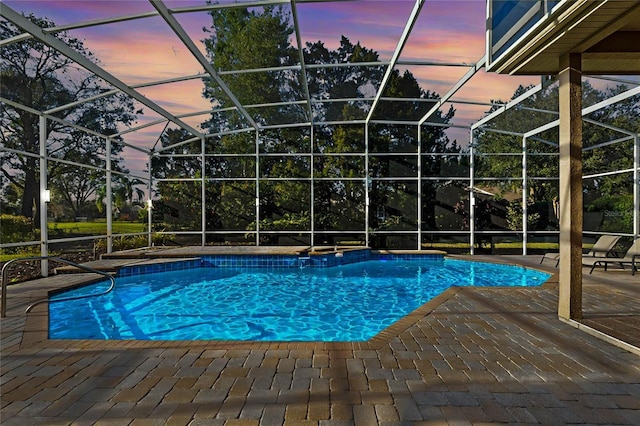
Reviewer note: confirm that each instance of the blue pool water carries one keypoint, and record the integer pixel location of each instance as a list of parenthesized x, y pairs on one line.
[(351, 302)]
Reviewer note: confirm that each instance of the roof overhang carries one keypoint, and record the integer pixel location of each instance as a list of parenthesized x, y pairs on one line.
[(605, 32)]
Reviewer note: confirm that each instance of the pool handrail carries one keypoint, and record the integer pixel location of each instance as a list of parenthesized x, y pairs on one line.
[(5, 268)]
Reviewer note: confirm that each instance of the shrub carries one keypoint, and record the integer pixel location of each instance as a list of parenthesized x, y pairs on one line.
[(16, 229), (514, 216), (616, 211), (133, 242)]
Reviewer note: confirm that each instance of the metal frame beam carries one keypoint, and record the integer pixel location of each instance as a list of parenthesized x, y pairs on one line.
[(507, 106), (133, 86), (585, 111), (48, 39), (477, 67), (66, 123), (415, 12), (190, 45)]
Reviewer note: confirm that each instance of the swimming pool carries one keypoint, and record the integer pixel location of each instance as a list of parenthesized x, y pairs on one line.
[(351, 302)]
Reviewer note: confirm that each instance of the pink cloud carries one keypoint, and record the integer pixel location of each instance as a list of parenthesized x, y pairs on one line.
[(139, 51), (437, 79), (136, 161), (486, 86), (455, 16), (358, 21), (180, 98), (193, 23), (440, 46), (68, 11)]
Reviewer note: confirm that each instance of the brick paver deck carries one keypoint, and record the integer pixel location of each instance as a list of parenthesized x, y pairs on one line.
[(472, 356)]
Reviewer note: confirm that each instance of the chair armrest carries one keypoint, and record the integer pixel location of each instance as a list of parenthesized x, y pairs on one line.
[(600, 253)]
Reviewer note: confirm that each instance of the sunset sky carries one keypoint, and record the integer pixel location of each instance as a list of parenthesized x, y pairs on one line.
[(146, 49)]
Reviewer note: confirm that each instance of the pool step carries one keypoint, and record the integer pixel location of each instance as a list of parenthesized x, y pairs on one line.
[(304, 261)]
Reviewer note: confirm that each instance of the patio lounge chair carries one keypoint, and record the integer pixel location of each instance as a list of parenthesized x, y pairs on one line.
[(630, 258), (601, 248)]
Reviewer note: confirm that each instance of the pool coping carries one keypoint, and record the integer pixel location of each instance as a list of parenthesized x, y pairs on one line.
[(36, 327)]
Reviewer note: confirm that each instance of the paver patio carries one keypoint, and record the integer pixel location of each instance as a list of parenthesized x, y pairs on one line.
[(472, 356)]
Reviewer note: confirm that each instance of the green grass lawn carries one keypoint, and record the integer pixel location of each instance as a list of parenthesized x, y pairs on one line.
[(94, 228), (504, 245), (70, 229)]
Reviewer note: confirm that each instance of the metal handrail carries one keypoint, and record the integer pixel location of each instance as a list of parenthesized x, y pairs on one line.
[(5, 267)]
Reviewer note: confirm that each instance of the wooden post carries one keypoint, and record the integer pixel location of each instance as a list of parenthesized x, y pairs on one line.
[(570, 281)]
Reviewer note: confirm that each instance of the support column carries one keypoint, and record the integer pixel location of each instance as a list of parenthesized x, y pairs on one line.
[(312, 216), (257, 180), (42, 201), (525, 198), (108, 181), (149, 201), (636, 187), (570, 281), (203, 192), (472, 194), (419, 155), (367, 185)]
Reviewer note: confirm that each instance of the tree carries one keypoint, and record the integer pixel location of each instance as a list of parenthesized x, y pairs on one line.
[(179, 203), (340, 203), (341, 82), (490, 143), (498, 155), (610, 197), (542, 159), (39, 77), (243, 39), (389, 139), (361, 82), (77, 185)]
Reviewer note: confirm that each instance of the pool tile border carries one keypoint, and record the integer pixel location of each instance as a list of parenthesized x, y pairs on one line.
[(173, 265), (319, 260), (278, 261)]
